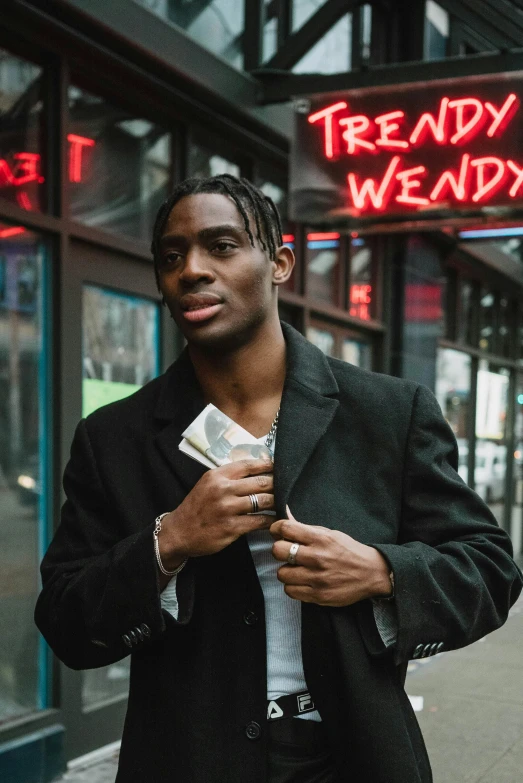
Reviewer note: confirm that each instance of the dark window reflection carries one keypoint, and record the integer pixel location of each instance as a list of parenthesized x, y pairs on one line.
[(362, 290), (204, 161), (119, 166), (487, 320), (21, 169), (466, 313), (506, 313), (323, 266), (491, 436), (23, 453)]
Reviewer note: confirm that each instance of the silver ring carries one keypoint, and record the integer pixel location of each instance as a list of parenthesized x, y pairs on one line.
[(254, 503), (293, 551)]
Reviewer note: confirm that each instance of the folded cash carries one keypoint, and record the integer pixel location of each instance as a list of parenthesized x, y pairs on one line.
[(214, 439)]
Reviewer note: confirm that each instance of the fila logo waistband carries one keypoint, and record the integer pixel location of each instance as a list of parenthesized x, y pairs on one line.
[(290, 706)]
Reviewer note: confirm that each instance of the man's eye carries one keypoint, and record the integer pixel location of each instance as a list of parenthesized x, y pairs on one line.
[(170, 258), (223, 246)]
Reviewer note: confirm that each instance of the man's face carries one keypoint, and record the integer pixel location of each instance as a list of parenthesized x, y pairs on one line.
[(218, 287)]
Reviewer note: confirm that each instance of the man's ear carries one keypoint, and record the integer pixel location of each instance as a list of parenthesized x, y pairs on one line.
[(282, 265)]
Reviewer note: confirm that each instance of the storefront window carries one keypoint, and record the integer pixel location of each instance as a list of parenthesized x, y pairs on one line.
[(516, 530), (487, 320), (424, 322), (323, 265), (453, 394), (357, 352), (322, 339), (120, 354), (437, 27), (215, 24), (362, 280), (24, 457), (21, 169), (505, 327), (491, 436), (205, 162), (466, 313), (119, 166)]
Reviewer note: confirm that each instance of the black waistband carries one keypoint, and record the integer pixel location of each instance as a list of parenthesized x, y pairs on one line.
[(290, 706)]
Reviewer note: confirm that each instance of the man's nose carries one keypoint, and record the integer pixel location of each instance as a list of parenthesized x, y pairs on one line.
[(196, 267)]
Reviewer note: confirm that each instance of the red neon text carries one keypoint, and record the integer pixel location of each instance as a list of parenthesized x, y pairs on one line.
[(25, 168), (454, 122), (475, 179), (360, 301)]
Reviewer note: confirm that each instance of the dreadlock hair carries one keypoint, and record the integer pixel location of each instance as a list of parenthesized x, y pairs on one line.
[(249, 200)]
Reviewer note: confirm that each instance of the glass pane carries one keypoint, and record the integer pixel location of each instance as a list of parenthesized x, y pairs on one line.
[(303, 10), (516, 530), (322, 339), (270, 32), (465, 324), (504, 343), (453, 394), (487, 320), (204, 162), (491, 446), (323, 266), (215, 24), (424, 321), (357, 352), (119, 166), (436, 31), (332, 53), (120, 354), (362, 280), (23, 459), (21, 171)]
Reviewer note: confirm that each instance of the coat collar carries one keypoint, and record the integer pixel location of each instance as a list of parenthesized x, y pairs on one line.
[(307, 408)]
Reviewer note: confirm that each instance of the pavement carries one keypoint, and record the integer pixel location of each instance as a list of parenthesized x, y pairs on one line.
[(469, 704)]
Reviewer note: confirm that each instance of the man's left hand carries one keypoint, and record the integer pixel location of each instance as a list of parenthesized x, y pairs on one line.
[(332, 569)]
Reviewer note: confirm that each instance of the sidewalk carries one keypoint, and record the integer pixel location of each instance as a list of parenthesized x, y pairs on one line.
[(472, 716)]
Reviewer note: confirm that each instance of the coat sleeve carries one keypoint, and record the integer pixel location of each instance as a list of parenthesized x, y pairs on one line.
[(100, 584), (455, 579)]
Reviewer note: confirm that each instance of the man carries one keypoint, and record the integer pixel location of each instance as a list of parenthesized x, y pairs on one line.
[(227, 613)]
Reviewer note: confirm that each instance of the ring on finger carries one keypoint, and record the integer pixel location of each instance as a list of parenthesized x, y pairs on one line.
[(293, 551), (254, 503)]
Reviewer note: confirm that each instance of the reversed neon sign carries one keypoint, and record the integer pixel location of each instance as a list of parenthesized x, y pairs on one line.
[(25, 168), (404, 168)]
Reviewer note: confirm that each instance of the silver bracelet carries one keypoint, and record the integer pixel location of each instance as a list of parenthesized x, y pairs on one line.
[(157, 528)]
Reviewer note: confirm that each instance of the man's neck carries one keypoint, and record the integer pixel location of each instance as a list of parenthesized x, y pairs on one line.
[(245, 383)]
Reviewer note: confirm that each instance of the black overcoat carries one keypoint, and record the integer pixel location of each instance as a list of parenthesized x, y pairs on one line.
[(363, 453)]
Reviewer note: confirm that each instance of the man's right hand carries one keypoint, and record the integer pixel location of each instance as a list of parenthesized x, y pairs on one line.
[(215, 512)]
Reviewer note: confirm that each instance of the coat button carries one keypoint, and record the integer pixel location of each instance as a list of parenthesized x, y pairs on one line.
[(127, 640), (418, 651), (145, 630), (250, 618), (253, 730)]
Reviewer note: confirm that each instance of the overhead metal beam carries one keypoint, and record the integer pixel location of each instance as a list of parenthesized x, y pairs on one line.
[(461, 10), (252, 36), (279, 86), (301, 41)]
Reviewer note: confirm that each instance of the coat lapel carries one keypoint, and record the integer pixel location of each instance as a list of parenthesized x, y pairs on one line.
[(307, 408), (180, 401)]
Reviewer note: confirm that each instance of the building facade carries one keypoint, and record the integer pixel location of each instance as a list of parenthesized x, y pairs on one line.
[(103, 107)]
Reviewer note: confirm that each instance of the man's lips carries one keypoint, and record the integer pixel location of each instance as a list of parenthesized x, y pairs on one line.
[(199, 307)]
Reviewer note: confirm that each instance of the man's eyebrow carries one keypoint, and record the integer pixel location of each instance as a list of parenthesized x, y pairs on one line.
[(225, 228), (206, 233)]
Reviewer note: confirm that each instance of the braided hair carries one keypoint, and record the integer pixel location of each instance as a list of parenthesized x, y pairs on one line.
[(249, 200)]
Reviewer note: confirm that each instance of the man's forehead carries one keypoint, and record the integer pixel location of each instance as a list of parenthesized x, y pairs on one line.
[(204, 210)]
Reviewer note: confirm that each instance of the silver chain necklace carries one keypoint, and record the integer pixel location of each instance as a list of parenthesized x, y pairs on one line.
[(272, 432)]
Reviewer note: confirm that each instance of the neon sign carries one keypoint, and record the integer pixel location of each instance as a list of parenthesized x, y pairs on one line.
[(25, 168), (420, 150)]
